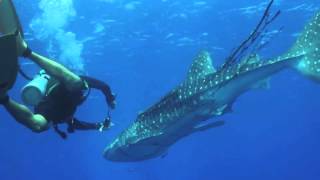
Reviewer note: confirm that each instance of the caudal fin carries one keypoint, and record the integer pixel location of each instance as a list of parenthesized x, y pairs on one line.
[(308, 45)]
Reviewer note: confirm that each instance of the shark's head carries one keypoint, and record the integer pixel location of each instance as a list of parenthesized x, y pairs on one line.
[(135, 144)]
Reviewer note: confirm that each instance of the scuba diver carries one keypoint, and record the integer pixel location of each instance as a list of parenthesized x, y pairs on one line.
[(55, 94)]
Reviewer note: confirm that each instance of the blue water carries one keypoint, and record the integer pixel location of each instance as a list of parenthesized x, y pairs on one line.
[(143, 49)]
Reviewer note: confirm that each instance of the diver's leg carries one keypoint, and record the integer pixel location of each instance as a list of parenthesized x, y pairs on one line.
[(23, 115), (71, 80)]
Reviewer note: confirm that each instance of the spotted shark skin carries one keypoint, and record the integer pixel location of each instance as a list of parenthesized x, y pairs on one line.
[(209, 93)]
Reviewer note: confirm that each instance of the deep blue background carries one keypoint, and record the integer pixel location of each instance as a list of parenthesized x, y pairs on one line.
[(272, 134)]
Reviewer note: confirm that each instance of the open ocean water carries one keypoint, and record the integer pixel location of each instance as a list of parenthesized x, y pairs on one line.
[(143, 49)]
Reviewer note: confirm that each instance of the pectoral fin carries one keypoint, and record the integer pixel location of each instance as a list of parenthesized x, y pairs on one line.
[(208, 126)]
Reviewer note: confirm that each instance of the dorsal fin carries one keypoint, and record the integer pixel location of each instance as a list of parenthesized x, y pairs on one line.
[(201, 66), (253, 58)]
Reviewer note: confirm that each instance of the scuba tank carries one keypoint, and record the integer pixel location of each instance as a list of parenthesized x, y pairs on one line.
[(35, 90)]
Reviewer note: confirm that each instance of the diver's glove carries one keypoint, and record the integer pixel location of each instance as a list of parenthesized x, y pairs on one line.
[(107, 124), (4, 100)]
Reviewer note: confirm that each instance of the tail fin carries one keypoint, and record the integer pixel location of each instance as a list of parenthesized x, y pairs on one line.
[(308, 45)]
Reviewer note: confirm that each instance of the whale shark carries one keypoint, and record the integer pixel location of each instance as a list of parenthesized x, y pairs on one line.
[(208, 93)]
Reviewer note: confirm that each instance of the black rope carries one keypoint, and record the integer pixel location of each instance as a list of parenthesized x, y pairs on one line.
[(23, 74), (267, 40), (62, 134), (109, 113), (246, 44)]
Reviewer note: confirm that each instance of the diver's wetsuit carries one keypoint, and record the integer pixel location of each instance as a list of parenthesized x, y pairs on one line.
[(60, 104), (3, 85)]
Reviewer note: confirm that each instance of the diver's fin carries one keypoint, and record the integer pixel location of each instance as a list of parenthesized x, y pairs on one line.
[(308, 45), (8, 60), (9, 21), (208, 126), (201, 66)]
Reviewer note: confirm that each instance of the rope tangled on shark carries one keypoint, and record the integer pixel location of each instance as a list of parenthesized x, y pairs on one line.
[(264, 22)]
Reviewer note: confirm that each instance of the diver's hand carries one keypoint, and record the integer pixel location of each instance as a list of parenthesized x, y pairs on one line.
[(21, 44), (107, 124)]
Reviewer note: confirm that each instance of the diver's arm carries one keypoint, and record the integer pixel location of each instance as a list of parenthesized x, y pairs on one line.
[(61, 73), (23, 115), (71, 80), (103, 87), (75, 124)]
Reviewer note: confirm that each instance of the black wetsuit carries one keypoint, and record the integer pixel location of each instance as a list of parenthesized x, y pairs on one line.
[(60, 104)]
